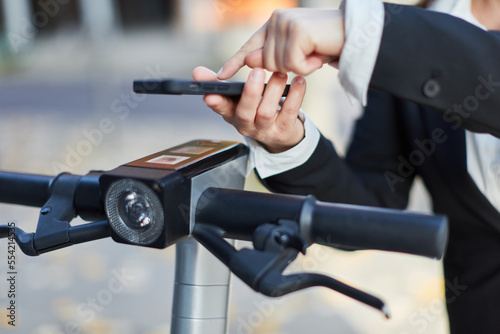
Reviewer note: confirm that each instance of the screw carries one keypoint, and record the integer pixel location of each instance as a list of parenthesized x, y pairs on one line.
[(281, 238)]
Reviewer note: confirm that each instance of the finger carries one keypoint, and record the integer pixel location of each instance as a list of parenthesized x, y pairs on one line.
[(222, 105), (269, 60), (313, 63), (237, 61), (250, 100), (280, 47), (268, 108), (300, 56), (255, 59), (289, 112)]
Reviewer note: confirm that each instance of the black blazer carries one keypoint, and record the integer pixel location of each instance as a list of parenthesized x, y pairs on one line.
[(393, 142), (453, 69), (442, 62)]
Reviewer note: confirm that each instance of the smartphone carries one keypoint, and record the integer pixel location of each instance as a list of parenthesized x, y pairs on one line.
[(191, 87)]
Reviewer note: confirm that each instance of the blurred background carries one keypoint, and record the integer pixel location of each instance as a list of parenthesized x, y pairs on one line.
[(66, 104)]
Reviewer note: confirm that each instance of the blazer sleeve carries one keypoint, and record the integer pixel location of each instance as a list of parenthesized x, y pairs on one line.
[(365, 175), (441, 62)]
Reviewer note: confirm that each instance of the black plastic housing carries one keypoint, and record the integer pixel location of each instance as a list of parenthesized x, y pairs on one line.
[(172, 182)]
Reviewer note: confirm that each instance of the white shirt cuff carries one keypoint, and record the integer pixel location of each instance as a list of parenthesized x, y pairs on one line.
[(364, 24), (269, 164)]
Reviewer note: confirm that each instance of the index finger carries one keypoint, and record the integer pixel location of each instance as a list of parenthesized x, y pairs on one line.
[(237, 61)]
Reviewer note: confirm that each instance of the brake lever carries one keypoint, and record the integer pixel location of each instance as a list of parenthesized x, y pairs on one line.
[(275, 284), (261, 268), (53, 230), (77, 234), (24, 240)]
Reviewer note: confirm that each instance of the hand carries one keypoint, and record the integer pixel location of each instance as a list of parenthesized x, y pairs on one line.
[(256, 115), (298, 40)]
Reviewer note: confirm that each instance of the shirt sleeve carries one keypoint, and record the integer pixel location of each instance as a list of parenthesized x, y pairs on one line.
[(364, 24), (269, 164)]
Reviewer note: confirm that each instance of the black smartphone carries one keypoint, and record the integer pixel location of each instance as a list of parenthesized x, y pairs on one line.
[(190, 87)]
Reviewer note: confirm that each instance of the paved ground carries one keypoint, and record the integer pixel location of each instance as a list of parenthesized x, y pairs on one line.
[(55, 103)]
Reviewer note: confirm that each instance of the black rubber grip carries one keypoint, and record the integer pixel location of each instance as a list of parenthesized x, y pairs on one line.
[(238, 213), (35, 190), (24, 189), (361, 227)]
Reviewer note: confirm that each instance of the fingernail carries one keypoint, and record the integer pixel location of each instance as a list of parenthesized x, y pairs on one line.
[(220, 71), (300, 80), (281, 75), (257, 75)]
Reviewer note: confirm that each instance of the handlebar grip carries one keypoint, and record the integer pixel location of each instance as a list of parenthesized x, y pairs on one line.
[(345, 226), (24, 189), (361, 227), (35, 190)]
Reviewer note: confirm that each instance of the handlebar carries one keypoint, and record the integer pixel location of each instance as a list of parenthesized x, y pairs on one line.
[(238, 213), (360, 227), (24, 189), (61, 198), (345, 226), (280, 227), (34, 190)]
